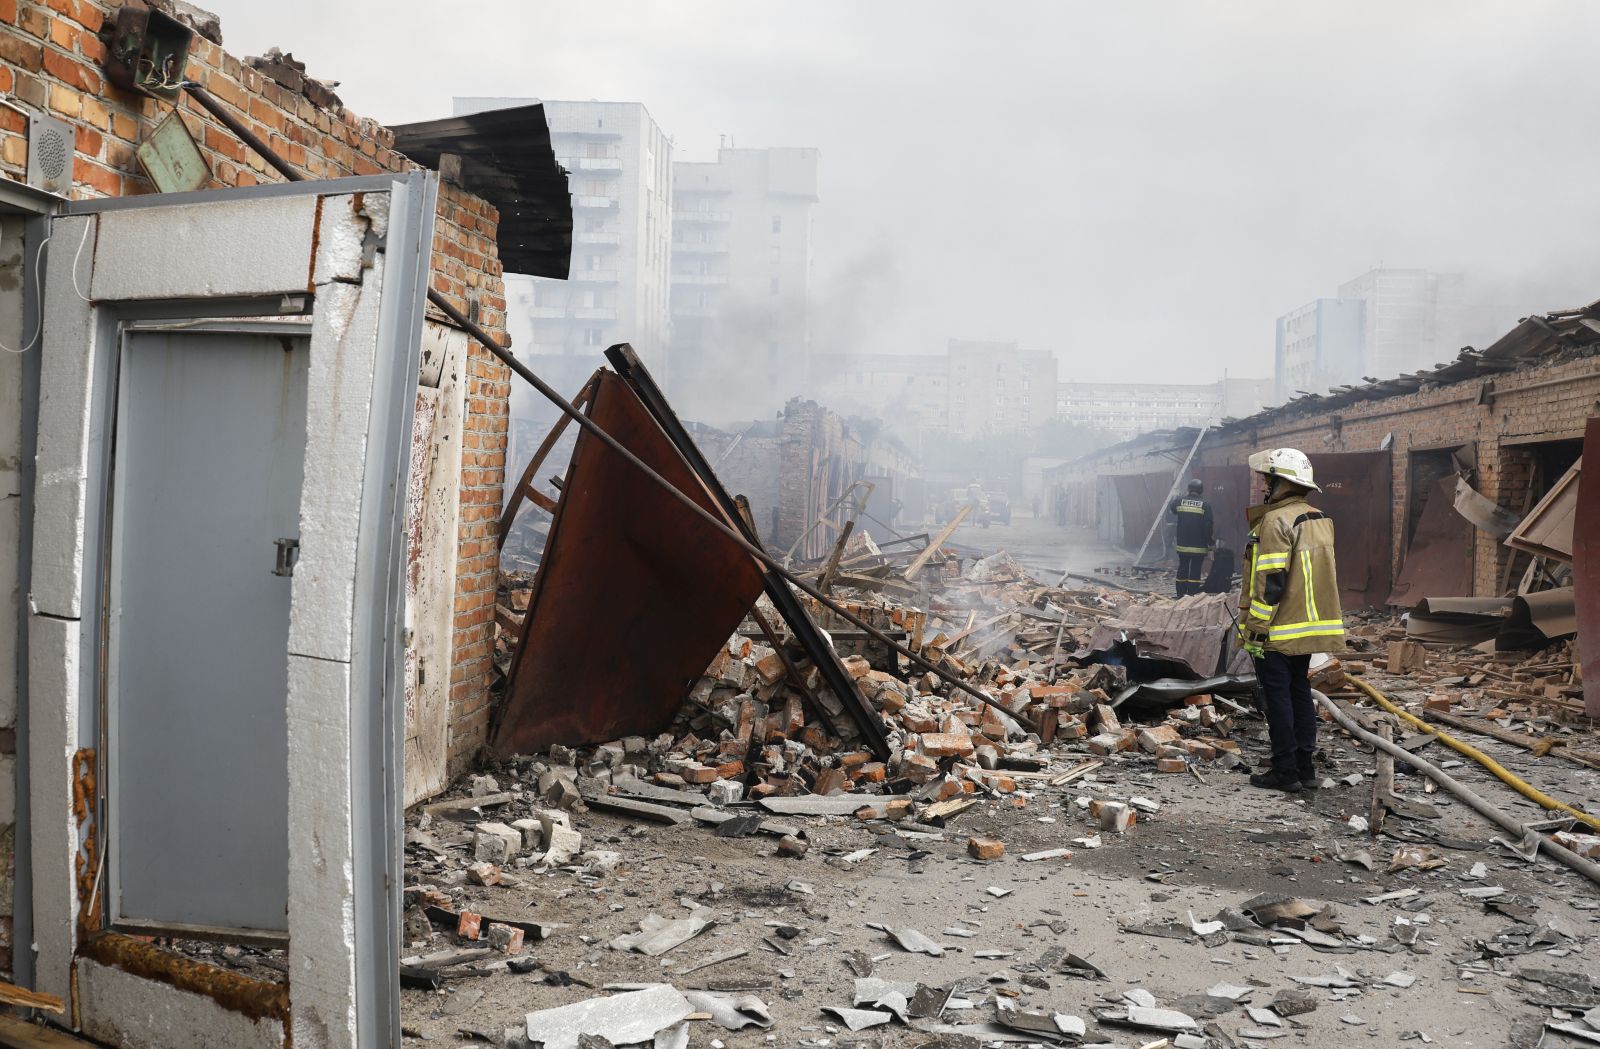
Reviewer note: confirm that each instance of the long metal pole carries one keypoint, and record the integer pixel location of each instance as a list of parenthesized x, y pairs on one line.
[(1161, 511), (593, 429), (1588, 868)]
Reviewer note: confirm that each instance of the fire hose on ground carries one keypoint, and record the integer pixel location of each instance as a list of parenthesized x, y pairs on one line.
[(1499, 771), (1588, 868)]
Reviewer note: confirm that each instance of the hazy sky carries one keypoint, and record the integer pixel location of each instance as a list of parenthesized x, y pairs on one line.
[(1142, 187)]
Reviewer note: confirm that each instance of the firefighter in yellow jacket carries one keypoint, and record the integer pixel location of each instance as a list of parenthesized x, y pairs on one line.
[(1288, 610)]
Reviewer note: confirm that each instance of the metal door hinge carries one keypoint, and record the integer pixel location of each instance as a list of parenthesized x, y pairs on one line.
[(288, 555)]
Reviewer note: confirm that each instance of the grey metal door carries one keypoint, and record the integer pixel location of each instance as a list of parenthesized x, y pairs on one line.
[(208, 466)]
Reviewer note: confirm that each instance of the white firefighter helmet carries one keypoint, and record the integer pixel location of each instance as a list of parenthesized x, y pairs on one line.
[(1290, 464)]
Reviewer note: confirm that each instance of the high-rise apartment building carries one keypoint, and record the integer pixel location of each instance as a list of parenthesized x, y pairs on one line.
[(619, 165), (1384, 323), (1319, 345), (997, 386), (1412, 319), (741, 280)]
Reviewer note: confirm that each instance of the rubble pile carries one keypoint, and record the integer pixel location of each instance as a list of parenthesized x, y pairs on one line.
[(570, 869)]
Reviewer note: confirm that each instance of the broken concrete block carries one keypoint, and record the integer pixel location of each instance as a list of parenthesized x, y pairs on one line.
[(550, 819), (1171, 765), (1105, 743), (1116, 817), (483, 874), (532, 832), (495, 842), (985, 848), (507, 939), (792, 847), (725, 792), (484, 785), (564, 844)]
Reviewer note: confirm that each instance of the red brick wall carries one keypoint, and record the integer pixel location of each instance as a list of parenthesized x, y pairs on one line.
[(1549, 403), (51, 57)]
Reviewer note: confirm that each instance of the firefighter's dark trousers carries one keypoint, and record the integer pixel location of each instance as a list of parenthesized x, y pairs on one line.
[(1291, 713), (1190, 573)]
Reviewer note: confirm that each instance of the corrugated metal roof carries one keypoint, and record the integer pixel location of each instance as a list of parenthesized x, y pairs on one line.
[(506, 159)]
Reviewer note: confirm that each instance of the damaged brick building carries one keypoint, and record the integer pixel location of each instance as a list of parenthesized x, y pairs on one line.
[(795, 469), (1395, 459), (104, 272)]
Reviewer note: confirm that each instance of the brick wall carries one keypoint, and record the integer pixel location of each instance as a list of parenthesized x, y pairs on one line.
[(51, 58), (1545, 403), (1549, 402)]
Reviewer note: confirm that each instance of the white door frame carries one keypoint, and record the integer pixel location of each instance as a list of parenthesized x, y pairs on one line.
[(354, 254)]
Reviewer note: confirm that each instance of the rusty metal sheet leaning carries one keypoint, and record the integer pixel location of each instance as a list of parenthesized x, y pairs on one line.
[(1355, 492), (811, 639), (1547, 529), (633, 597), (1439, 556), (1141, 498), (1586, 575), (1228, 492)]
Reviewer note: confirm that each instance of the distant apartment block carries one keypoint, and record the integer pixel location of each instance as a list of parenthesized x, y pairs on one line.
[(619, 164), (998, 386), (1127, 409), (1384, 323), (741, 279), (1319, 345)]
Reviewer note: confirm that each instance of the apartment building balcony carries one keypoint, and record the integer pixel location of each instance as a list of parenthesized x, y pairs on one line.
[(597, 240), (547, 312), (595, 313), (592, 165), (716, 280), (695, 312), (588, 202), (701, 218), (594, 276), (699, 250), (542, 349)]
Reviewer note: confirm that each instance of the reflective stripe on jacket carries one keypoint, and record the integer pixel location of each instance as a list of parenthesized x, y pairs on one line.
[(1291, 583), (1194, 524)]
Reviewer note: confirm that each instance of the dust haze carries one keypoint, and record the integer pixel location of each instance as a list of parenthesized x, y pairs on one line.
[(1141, 190)]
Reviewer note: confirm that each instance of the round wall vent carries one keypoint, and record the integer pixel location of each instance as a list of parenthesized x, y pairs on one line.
[(54, 154), (50, 149)]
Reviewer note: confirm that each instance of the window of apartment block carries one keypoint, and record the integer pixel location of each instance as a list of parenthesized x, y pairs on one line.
[(588, 300), (593, 261), (592, 336), (777, 223), (772, 288)]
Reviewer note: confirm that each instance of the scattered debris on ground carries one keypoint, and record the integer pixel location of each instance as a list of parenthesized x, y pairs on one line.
[(1078, 862)]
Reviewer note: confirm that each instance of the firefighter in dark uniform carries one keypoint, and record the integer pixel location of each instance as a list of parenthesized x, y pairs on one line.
[(1194, 537)]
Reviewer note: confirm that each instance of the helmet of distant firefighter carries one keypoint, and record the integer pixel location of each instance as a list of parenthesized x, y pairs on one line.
[(1290, 464)]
